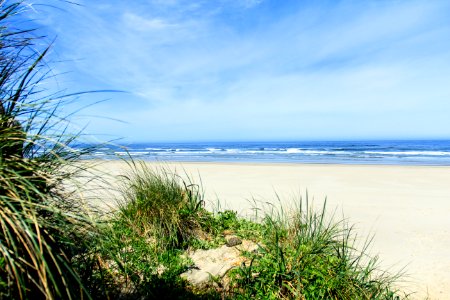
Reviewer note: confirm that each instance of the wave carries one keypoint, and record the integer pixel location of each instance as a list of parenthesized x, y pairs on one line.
[(392, 152), (412, 153), (131, 153), (275, 151)]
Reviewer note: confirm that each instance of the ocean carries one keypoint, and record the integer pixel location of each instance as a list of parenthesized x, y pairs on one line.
[(401, 152)]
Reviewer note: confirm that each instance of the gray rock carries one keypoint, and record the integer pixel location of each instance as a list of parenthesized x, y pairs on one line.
[(232, 241)]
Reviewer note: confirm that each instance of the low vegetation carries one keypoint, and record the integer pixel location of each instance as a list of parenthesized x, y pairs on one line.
[(306, 257), (50, 249), (300, 256)]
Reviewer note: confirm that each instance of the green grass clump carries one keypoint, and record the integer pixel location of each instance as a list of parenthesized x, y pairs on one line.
[(141, 253), (42, 227), (303, 256), (160, 204)]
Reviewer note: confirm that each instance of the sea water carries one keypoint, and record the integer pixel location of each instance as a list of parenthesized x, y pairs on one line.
[(430, 152)]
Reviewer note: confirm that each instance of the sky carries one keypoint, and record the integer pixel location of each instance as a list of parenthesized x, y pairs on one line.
[(254, 70)]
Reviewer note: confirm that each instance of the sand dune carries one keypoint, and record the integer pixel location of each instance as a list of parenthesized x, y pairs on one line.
[(406, 207)]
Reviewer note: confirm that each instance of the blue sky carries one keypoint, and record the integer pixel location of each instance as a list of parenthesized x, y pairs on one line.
[(255, 69)]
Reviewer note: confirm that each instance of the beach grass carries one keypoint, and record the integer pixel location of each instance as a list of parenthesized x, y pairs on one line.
[(307, 255), (42, 225), (161, 204), (141, 252)]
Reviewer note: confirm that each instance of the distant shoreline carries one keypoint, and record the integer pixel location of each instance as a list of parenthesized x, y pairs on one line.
[(426, 153), (266, 162)]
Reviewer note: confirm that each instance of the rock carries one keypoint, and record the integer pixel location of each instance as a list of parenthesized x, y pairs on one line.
[(215, 263), (232, 241)]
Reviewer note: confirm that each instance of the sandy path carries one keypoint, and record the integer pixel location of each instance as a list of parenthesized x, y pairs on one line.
[(406, 207)]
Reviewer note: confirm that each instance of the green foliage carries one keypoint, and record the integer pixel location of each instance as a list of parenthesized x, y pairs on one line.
[(229, 221), (306, 257), (133, 265), (162, 205), (141, 252), (41, 227)]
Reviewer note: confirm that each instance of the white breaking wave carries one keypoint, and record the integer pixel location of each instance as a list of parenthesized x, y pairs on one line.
[(414, 153), (317, 152), (214, 149), (131, 153), (234, 151)]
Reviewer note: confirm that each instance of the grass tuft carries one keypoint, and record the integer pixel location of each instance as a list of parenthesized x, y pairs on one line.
[(42, 226), (160, 204), (309, 256)]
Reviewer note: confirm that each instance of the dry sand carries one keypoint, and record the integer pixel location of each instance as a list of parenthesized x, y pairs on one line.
[(407, 208)]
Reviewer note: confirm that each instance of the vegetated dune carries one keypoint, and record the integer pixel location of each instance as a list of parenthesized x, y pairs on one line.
[(406, 208)]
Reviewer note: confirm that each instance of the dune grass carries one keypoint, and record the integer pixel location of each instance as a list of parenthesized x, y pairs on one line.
[(42, 226), (161, 204), (142, 245), (308, 255)]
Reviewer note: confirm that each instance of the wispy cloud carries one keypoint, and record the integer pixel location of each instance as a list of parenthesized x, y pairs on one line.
[(136, 22), (219, 68)]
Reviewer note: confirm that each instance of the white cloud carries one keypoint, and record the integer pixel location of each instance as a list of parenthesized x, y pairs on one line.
[(319, 63), (136, 22), (243, 3)]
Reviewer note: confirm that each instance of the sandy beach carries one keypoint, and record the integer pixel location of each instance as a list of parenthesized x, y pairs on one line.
[(406, 208)]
